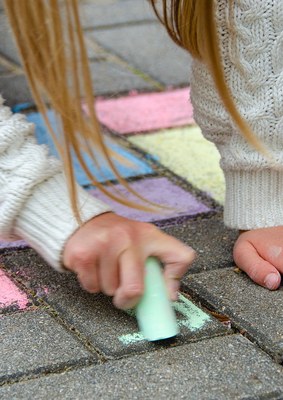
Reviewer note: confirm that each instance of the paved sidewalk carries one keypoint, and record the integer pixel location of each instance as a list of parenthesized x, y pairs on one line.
[(60, 342)]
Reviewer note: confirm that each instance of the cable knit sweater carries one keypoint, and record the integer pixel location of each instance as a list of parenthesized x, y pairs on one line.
[(34, 201), (251, 41)]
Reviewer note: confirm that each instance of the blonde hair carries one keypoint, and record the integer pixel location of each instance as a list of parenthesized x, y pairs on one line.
[(191, 24), (56, 65), (50, 41)]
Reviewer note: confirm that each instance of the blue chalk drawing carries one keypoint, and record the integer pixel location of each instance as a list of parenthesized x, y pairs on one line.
[(135, 167)]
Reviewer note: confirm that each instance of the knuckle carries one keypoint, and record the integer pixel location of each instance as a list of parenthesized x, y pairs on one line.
[(81, 256), (191, 255), (101, 244), (187, 256), (122, 235), (148, 229)]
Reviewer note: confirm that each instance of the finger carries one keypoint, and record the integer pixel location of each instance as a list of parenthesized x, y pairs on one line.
[(88, 278), (108, 273), (273, 254), (131, 286), (258, 269), (176, 257), (172, 280)]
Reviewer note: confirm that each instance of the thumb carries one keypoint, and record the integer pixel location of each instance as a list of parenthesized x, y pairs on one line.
[(259, 270)]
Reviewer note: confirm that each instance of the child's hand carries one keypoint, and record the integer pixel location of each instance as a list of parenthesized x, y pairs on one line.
[(260, 254), (108, 254)]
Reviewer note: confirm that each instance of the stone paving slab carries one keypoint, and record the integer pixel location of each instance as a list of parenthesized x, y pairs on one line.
[(146, 112), (251, 308), (212, 241), (14, 89), (11, 297), (33, 342), (7, 45), (229, 368), (113, 78), (188, 154), (3, 68), (98, 13), (158, 190), (162, 60), (113, 332), (136, 165)]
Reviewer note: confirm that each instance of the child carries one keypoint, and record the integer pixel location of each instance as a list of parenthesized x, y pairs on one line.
[(71, 229), (249, 58)]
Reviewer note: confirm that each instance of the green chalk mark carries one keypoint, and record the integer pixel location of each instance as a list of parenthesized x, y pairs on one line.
[(131, 338), (131, 313), (195, 317)]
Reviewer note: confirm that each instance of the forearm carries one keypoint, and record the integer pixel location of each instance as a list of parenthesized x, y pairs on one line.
[(253, 72), (35, 203)]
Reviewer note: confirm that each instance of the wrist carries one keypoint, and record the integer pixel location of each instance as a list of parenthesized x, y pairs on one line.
[(47, 221)]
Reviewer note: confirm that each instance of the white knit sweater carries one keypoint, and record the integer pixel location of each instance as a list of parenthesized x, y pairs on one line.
[(34, 202), (251, 38)]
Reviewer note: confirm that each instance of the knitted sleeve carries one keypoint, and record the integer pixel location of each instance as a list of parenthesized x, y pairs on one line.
[(34, 201), (251, 40)]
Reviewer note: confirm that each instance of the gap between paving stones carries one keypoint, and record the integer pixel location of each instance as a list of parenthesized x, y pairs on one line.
[(110, 348), (73, 366), (56, 349), (40, 303), (124, 356), (45, 371), (214, 311), (119, 25), (102, 359), (235, 326), (248, 374), (164, 171), (12, 67), (97, 48), (240, 324)]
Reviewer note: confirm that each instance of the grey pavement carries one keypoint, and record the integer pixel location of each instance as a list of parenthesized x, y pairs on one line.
[(253, 309), (93, 315), (218, 369), (68, 344), (33, 342)]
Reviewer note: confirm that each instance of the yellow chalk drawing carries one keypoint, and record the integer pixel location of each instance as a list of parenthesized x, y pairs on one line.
[(189, 155)]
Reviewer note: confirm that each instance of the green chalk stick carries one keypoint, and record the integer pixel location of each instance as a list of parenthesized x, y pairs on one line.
[(155, 314)]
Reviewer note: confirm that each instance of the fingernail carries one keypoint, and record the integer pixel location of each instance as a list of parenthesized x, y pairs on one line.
[(271, 281)]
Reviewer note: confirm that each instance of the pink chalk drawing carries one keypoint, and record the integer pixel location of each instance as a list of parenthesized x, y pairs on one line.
[(10, 294), (146, 112)]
